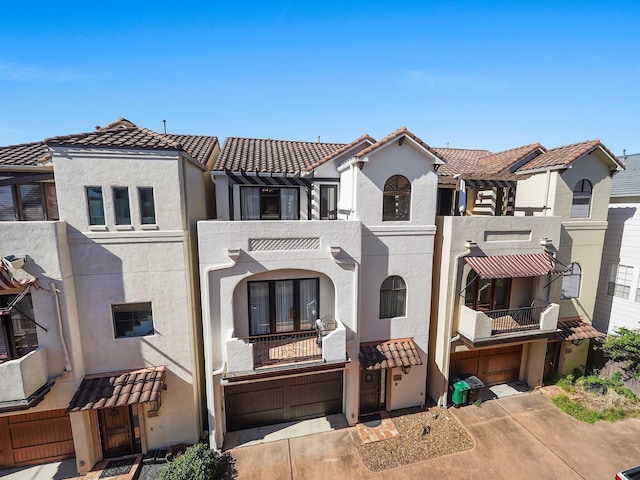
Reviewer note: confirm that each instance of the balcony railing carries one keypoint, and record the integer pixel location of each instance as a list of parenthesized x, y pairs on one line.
[(285, 348), (479, 325), (515, 319)]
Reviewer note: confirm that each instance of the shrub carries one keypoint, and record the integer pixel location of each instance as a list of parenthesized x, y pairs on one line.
[(198, 462), (624, 346), (564, 403)]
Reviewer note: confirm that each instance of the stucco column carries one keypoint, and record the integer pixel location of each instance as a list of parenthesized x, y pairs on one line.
[(86, 457), (535, 366)]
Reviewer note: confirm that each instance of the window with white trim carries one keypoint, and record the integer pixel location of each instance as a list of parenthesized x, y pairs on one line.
[(571, 281), (620, 277), (581, 204), (269, 203)]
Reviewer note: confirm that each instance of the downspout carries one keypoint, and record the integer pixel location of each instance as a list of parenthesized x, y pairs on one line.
[(546, 191), (447, 340), (215, 435), (67, 362)]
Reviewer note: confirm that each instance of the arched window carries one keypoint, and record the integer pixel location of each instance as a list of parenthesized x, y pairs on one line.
[(581, 205), (571, 281), (396, 202), (393, 297)]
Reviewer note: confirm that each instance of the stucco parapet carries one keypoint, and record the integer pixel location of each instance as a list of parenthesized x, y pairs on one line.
[(161, 236), (400, 230), (108, 153), (585, 225)]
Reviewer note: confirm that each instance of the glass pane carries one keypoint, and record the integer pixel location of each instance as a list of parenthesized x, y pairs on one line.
[(32, 204), (52, 201), (147, 207), (7, 207), (285, 308), (485, 294), (289, 204), (258, 308), (250, 203), (501, 292), (328, 202), (133, 319), (269, 204), (309, 308), (96, 206), (121, 205)]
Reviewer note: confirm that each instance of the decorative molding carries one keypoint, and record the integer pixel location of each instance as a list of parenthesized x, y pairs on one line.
[(282, 244)]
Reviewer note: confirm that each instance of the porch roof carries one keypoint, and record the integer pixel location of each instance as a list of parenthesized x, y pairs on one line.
[(576, 329), (115, 389), (512, 266), (401, 352)]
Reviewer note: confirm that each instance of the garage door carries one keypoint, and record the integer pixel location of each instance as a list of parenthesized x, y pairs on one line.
[(34, 438), (492, 366), (284, 400)]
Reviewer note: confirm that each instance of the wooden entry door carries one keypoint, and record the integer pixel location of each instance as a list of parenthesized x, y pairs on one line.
[(551, 359), (371, 392), (115, 431)]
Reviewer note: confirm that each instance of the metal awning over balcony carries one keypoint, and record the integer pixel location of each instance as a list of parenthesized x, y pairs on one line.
[(512, 266)]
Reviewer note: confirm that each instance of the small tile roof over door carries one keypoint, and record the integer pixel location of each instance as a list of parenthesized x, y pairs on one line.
[(118, 388), (401, 352), (576, 329), (511, 266)]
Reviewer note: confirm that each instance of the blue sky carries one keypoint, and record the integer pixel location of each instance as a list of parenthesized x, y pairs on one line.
[(490, 75)]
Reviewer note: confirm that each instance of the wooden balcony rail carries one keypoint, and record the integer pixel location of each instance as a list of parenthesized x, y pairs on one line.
[(515, 319), (283, 348)]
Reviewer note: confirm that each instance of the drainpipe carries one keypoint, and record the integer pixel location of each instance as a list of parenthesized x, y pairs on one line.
[(67, 362), (546, 192), (447, 340), (215, 434)]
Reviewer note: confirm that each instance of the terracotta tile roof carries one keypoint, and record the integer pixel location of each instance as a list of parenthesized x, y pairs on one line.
[(401, 352), (118, 388), (459, 160), (362, 139), (25, 155), (124, 134), (563, 156), (272, 156), (511, 266), (576, 329), (402, 131), (505, 160)]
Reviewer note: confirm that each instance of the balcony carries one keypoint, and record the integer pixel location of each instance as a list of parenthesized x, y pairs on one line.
[(22, 377), (290, 350), (514, 323)]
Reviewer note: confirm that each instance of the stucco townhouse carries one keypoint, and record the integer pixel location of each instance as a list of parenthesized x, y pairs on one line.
[(100, 347), (319, 272)]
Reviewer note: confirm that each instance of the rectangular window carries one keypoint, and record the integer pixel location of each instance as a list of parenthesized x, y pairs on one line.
[(18, 335), (132, 319), (147, 207), (27, 202), (328, 202), (277, 306), (121, 205), (269, 203), (96, 206), (620, 277)]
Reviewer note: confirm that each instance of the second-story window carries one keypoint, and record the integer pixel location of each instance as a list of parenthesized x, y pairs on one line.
[(121, 205), (18, 335), (581, 204), (328, 202), (484, 294), (269, 203), (147, 207), (96, 206), (571, 281), (396, 201), (393, 297), (28, 202)]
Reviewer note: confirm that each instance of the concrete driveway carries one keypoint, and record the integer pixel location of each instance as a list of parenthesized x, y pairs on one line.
[(520, 437)]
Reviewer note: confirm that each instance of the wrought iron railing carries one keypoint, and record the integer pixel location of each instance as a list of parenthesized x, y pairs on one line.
[(515, 319), (290, 347)]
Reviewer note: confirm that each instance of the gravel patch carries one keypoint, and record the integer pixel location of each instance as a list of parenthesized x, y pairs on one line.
[(424, 433), (150, 472)]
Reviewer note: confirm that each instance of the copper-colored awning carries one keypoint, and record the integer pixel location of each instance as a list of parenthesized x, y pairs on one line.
[(119, 388), (576, 329), (401, 352), (511, 266)]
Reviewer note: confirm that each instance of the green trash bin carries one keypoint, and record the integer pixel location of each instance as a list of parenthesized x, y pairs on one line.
[(459, 392)]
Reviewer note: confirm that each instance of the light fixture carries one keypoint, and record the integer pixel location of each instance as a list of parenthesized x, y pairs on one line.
[(470, 244), (577, 342), (546, 242), (406, 369)]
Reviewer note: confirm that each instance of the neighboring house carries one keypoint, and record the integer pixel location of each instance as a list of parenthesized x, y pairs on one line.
[(618, 301), (517, 268), (102, 355), (316, 279)]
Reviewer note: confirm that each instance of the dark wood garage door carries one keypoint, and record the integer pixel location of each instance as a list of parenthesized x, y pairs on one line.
[(33, 438), (275, 401), (492, 366)]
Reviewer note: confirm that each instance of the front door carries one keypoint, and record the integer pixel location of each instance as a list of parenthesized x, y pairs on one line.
[(551, 360), (115, 431), (372, 395)]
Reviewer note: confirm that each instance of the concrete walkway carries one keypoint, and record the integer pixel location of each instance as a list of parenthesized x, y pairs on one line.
[(519, 437)]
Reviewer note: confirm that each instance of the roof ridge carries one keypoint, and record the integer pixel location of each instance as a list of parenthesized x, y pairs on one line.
[(28, 144), (531, 146), (163, 137), (343, 149), (288, 141)]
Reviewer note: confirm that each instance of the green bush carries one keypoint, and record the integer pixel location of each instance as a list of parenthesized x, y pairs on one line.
[(568, 406), (198, 462)]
